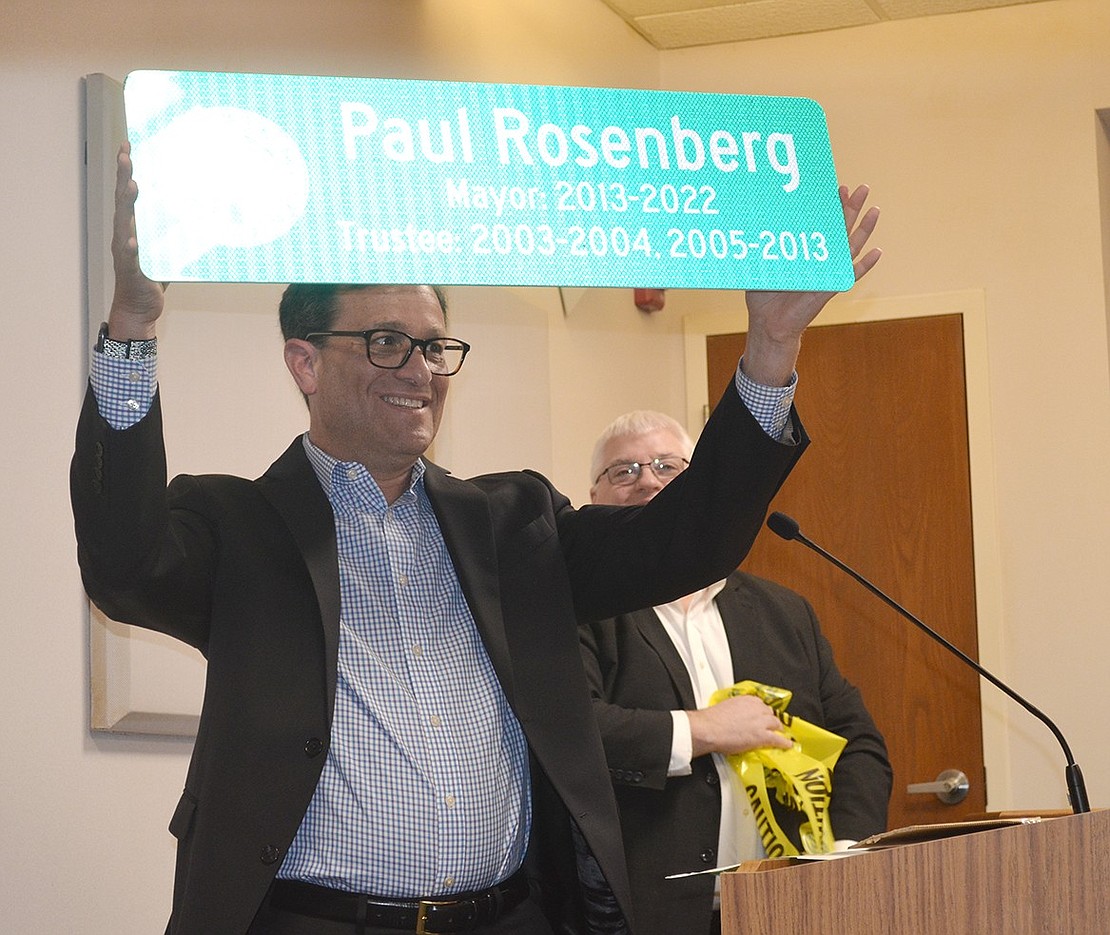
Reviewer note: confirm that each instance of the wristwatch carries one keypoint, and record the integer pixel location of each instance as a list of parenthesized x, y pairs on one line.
[(124, 350)]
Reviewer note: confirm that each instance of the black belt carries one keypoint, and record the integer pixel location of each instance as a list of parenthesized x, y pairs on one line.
[(462, 913)]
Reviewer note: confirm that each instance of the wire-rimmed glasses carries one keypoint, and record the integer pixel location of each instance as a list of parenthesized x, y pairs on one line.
[(624, 473)]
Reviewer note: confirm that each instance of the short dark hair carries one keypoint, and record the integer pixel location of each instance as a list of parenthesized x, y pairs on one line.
[(311, 306)]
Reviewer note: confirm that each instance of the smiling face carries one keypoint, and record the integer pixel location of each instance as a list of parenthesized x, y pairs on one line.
[(384, 419)]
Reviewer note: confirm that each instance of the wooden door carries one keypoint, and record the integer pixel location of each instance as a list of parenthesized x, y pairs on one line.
[(885, 487)]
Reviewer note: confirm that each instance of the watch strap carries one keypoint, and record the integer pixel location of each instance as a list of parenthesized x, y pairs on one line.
[(125, 350)]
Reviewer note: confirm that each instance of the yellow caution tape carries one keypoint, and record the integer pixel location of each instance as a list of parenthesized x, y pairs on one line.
[(801, 777)]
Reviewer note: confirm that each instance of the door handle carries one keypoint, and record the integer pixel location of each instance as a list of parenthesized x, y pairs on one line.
[(951, 787)]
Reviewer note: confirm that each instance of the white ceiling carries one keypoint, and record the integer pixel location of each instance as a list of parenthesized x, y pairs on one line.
[(677, 24)]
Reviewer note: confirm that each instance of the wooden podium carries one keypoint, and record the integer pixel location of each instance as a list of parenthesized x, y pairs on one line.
[(1051, 876)]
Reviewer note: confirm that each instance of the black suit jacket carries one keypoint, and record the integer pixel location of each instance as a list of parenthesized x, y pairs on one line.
[(247, 572), (670, 825)]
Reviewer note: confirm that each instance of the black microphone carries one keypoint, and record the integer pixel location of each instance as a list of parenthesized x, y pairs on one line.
[(786, 527)]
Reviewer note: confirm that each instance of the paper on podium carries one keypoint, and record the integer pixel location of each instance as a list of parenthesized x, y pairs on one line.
[(911, 834), (915, 834)]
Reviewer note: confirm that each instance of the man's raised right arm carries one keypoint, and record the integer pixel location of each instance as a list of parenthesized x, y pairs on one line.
[(118, 478)]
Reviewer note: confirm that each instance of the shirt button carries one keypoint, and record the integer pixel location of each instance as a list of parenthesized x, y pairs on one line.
[(434, 720), (450, 800), (134, 376), (402, 579), (132, 404), (352, 473), (418, 650), (448, 881)]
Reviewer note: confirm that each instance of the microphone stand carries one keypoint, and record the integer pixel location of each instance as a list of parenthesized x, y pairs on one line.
[(787, 528)]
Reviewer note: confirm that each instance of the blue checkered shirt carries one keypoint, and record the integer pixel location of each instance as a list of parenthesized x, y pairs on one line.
[(425, 787)]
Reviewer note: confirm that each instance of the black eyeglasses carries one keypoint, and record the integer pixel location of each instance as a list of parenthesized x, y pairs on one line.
[(391, 350), (625, 473)]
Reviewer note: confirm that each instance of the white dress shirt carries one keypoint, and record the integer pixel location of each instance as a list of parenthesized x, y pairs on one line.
[(695, 627)]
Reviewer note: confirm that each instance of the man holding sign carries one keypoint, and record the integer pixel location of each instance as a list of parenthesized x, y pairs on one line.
[(396, 733)]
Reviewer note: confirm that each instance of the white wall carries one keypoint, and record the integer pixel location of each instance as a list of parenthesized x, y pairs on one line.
[(977, 134)]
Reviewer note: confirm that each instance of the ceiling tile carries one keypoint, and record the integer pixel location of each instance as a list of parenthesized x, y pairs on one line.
[(675, 24), (754, 20)]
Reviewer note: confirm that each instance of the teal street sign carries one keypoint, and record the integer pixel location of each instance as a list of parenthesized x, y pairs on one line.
[(290, 178)]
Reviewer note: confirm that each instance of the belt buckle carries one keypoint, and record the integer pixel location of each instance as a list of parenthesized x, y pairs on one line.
[(422, 913)]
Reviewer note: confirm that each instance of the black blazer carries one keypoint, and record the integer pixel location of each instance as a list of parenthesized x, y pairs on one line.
[(247, 572), (670, 825)]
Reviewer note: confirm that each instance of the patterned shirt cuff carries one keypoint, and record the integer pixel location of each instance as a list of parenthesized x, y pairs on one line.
[(770, 405), (124, 389)]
